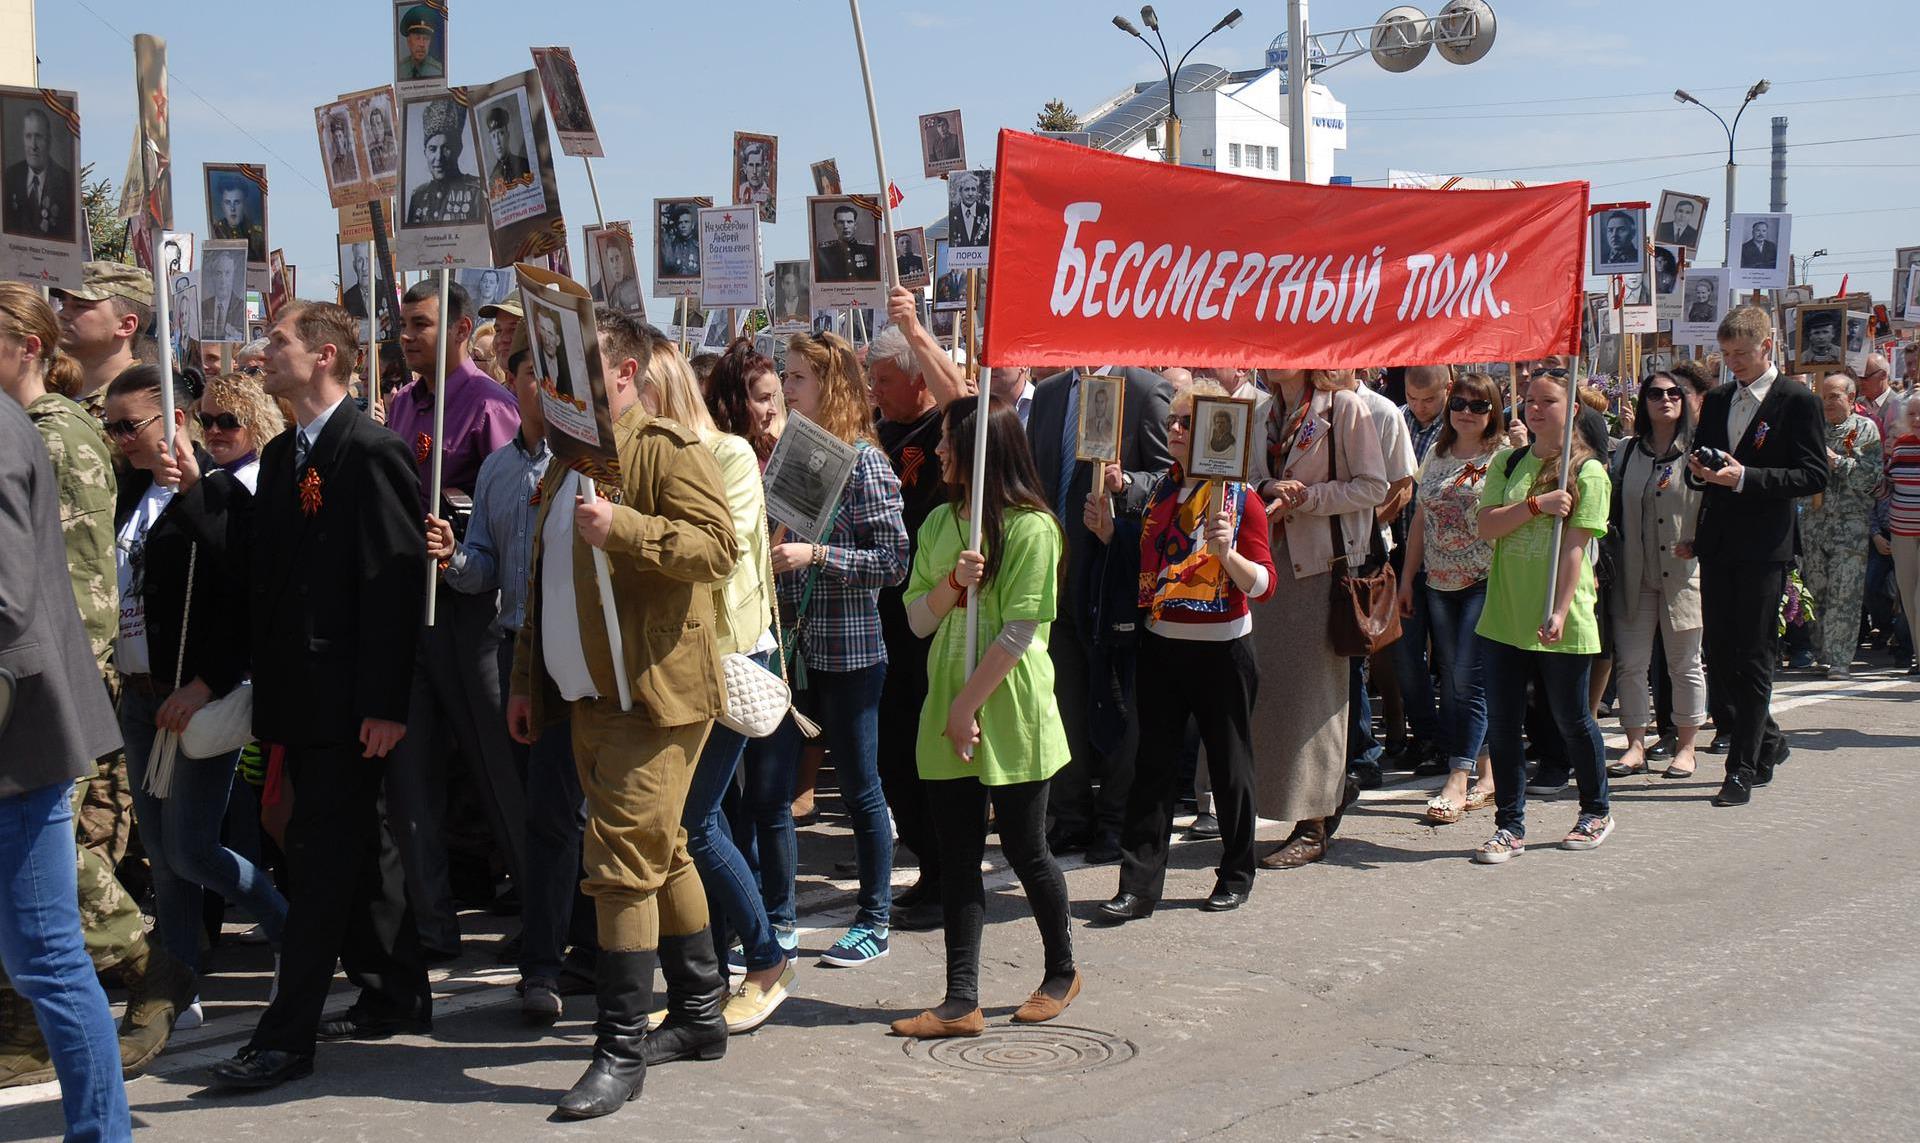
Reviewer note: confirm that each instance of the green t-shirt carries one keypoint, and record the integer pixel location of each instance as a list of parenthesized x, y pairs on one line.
[(1517, 583), (1021, 737)]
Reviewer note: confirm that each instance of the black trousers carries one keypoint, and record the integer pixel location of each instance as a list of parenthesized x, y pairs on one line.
[(1090, 794), (901, 697), (1020, 815), (347, 903), (1214, 684), (1740, 607)]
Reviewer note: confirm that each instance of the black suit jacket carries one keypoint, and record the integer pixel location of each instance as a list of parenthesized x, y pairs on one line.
[(338, 594), (1759, 254), (1143, 451), (1789, 460), (54, 218)]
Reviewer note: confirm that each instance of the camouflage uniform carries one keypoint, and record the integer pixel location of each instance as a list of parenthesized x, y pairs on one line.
[(1834, 538)]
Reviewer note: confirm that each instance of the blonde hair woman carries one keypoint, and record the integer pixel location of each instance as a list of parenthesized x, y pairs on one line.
[(238, 419)]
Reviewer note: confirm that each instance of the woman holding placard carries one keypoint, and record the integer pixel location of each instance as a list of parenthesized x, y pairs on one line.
[(831, 591), (1204, 559), (1519, 503), (990, 735)]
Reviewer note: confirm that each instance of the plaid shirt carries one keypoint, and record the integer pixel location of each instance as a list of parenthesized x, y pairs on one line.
[(866, 551)]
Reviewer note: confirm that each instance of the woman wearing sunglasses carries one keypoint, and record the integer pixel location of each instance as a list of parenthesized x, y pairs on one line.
[(237, 417), (1444, 541), (183, 642), (1656, 590)]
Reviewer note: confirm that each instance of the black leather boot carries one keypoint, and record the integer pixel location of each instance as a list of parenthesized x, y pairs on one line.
[(696, 1025), (624, 987)]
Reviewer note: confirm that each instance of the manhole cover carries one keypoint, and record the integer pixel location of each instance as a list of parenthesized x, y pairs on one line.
[(1050, 1050)]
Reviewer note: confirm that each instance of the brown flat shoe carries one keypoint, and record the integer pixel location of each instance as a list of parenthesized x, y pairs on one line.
[(927, 1026), (1308, 844), (1041, 1008)]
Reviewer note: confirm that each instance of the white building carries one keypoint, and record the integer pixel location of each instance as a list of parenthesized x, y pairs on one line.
[(1230, 121)]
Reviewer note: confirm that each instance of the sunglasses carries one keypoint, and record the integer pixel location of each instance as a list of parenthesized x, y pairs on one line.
[(1547, 373), (1181, 421), (225, 422), (1469, 405), (126, 429), (1663, 393)]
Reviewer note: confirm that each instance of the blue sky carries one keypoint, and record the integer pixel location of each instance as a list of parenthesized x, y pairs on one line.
[(1572, 89)]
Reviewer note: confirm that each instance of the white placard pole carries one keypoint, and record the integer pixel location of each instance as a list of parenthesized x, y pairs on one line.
[(976, 507), (438, 447), (889, 269)]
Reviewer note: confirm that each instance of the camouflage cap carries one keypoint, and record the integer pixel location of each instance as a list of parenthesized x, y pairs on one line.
[(504, 306), (103, 280)]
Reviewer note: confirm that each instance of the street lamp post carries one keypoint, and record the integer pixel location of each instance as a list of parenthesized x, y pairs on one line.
[(1753, 93), (1806, 264), (1160, 53)]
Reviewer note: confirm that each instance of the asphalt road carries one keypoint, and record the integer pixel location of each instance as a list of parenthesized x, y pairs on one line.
[(1708, 974)]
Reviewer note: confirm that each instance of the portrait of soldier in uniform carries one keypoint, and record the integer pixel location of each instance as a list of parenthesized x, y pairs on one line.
[(617, 279), (419, 29), (843, 256), (1820, 338), (447, 194), (383, 154), (755, 174), (678, 246), (239, 210), (342, 168), (503, 136)]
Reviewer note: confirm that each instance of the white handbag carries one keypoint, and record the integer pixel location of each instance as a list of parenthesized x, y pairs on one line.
[(218, 728), (757, 699)]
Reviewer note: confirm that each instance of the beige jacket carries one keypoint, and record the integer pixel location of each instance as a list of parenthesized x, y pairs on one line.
[(1349, 486), (1636, 492)]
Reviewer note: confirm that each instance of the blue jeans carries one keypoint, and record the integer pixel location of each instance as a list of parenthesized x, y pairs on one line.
[(732, 895), (553, 911), (1416, 681), (47, 962), (1362, 748), (181, 834), (1563, 681), (1452, 616)]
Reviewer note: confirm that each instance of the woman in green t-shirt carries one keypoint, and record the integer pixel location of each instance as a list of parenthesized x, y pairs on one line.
[(994, 734), (1518, 504)]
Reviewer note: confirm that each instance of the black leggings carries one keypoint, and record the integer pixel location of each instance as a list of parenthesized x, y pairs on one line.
[(960, 823)]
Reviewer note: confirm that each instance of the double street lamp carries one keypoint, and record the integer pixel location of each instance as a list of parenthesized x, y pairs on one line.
[(1753, 93), (1152, 21)]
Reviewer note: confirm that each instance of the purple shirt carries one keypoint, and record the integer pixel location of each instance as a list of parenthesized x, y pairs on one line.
[(481, 416)]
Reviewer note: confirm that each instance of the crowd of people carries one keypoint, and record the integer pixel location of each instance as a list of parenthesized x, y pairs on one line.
[(217, 631)]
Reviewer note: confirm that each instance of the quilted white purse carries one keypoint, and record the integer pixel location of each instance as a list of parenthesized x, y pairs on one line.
[(758, 699)]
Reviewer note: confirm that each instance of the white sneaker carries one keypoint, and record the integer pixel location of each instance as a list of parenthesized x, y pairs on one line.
[(191, 1018)]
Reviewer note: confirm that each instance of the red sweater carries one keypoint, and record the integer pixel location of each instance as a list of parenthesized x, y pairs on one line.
[(1200, 602)]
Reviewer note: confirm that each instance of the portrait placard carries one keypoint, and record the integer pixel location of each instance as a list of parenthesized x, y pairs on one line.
[(279, 289), (612, 270), (444, 221), (805, 476), (567, 102), (564, 343), (223, 290), (1796, 295), (516, 161), (1680, 219), (1910, 302), (183, 310), (341, 156), (969, 203), (237, 207), (1859, 344), (486, 286), (356, 221), (361, 297), (756, 173), (146, 194), (1669, 262), (1102, 398), (1221, 438), (792, 298), (43, 229), (826, 177), (1905, 259), (913, 271), (1820, 337), (176, 251), (419, 47), (943, 147), (718, 332), (730, 256), (844, 231), (1703, 303), (372, 113), (1762, 251), (1619, 242), (1636, 314), (676, 246)]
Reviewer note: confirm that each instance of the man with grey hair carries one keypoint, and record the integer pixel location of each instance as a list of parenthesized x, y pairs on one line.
[(1877, 400)]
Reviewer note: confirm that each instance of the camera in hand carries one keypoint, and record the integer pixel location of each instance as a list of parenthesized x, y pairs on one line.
[(1712, 459)]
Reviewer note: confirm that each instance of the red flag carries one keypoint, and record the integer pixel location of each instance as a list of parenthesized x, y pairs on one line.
[(1842, 291), (894, 194), (1131, 262)]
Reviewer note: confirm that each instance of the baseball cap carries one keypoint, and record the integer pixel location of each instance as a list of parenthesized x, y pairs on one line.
[(507, 306), (102, 280)]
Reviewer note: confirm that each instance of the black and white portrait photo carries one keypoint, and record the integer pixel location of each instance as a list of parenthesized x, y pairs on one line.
[(1905, 259), (969, 199), (505, 143), (339, 156), (845, 241), (237, 207), (376, 127), (804, 477), (1101, 398), (1680, 217), (485, 285), (756, 172), (792, 300), (176, 251), (619, 282), (1702, 298), (826, 177), (1618, 242), (223, 292), (442, 187), (942, 146), (1666, 269), (676, 245), (911, 267), (1856, 336), (1220, 444), (1820, 343), (1762, 247), (566, 102), (41, 197), (361, 296)]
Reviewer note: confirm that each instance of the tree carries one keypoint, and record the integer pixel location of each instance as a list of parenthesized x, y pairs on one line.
[(108, 230), (1056, 116)]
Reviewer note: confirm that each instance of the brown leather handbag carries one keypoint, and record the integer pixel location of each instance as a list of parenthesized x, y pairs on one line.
[(1365, 612)]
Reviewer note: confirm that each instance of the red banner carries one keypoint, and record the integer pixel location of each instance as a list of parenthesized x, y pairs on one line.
[(1101, 259)]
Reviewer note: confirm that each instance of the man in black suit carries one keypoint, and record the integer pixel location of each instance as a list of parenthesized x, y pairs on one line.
[(1093, 682), (909, 262), (339, 592), (39, 191), (1746, 534), (1683, 228), (1760, 252), (967, 216), (356, 295)]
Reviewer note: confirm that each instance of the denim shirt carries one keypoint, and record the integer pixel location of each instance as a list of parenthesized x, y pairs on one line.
[(499, 540)]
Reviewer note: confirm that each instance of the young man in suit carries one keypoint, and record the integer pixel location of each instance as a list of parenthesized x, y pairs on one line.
[(1092, 683), (339, 592), (1746, 534)]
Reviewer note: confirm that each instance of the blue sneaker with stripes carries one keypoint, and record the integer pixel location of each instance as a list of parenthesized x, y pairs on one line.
[(863, 943)]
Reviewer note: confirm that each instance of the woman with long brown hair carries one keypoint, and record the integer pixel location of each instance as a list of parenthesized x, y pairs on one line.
[(743, 396)]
